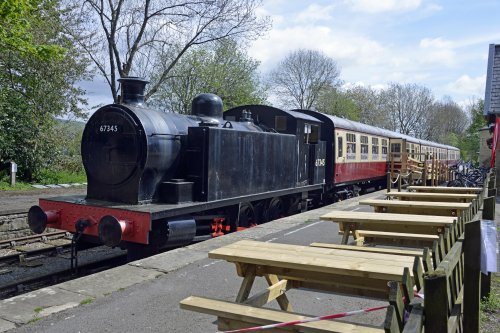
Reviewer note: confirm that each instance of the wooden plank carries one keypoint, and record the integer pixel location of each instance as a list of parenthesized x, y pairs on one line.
[(418, 273), (382, 234), (246, 285), (396, 300), (391, 322), (445, 189), (418, 204), (307, 252), (369, 268), (400, 252), (269, 294), (436, 303), (401, 209), (260, 316), (472, 260), (452, 197), (427, 260), (282, 300), (386, 218), (415, 321)]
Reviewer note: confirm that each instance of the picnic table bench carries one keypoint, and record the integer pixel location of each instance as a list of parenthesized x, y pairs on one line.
[(445, 189), (287, 266), (425, 196), (417, 207), (389, 225)]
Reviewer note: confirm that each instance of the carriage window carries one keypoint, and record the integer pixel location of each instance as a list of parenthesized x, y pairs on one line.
[(351, 146), (396, 148), (311, 133), (340, 146), (384, 148), (280, 123), (364, 147), (375, 148)]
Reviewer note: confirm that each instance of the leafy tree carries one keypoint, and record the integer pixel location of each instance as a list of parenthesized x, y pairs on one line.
[(336, 102), (15, 28), (34, 90), (301, 77), (222, 68), (469, 141), (148, 38)]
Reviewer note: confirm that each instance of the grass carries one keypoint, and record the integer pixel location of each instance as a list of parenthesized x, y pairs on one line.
[(490, 308), (46, 177), (39, 309), (86, 301)]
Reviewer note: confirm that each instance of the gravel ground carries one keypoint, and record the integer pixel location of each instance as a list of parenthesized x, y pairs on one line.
[(23, 200)]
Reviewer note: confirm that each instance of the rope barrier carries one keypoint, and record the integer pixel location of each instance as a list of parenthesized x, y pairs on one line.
[(308, 320)]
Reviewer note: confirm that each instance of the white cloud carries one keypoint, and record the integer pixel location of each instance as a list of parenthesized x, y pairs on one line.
[(466, 85), (380, 6), (315, 13), (437, 51), (342, 46)]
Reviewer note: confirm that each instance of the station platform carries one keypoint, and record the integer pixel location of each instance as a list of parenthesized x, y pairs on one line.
[(144, 295)]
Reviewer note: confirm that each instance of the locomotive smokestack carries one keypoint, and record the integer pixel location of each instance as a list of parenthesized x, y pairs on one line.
[(132, 90)]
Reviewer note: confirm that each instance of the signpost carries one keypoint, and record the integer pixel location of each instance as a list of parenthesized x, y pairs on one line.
[(13, 171)]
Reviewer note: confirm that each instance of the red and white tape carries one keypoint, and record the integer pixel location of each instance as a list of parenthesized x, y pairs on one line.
[(309, 320)]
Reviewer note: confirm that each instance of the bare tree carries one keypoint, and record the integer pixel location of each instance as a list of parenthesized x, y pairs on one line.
[(368, 102), (302, 76), (446, 117), (408, 108), (147, 38)]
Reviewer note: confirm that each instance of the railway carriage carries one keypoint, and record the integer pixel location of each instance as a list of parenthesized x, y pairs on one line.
[(159, 179)]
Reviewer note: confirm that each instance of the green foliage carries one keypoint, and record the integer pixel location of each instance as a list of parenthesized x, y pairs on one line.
[(16, 28), (34, 90), (223, 69), (469, 142), (336, 102)]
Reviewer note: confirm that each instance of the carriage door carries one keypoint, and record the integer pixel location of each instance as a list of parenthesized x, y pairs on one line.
[(317, 154)]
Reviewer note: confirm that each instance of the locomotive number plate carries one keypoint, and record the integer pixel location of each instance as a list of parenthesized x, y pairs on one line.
[(109, 128), (320, 162)]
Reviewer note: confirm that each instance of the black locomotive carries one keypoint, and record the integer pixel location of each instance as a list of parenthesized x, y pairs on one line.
[(164, 179)]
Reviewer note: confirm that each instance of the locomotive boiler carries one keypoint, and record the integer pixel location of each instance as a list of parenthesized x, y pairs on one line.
[(160, 179)]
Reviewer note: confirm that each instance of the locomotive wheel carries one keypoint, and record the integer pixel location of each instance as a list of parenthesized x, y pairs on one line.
[(247, 217), (275, 209)]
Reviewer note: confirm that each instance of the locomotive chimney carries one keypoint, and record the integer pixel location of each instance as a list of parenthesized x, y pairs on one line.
[(132, 90)]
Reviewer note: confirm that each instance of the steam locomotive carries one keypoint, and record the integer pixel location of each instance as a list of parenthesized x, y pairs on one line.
[(159, 179)]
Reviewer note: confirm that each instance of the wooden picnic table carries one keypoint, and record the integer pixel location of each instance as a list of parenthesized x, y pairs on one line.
[(351, 222), (417, 207), (424, 196), (445, 189), (318, 268)]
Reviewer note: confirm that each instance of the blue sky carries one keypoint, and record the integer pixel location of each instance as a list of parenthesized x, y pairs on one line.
[(442, 45)]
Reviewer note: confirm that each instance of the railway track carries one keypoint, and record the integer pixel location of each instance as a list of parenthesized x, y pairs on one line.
[(33, 262), (25, 249)]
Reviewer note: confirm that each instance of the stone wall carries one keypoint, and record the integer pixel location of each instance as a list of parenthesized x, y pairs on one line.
[(14, 225)]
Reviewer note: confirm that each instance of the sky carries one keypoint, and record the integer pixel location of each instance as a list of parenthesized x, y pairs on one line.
[(442, 45)]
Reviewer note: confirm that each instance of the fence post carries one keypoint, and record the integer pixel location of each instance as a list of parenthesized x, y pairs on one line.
[(488, 214), (472, 262), (436, 302), (399, 181), (389, 181)]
